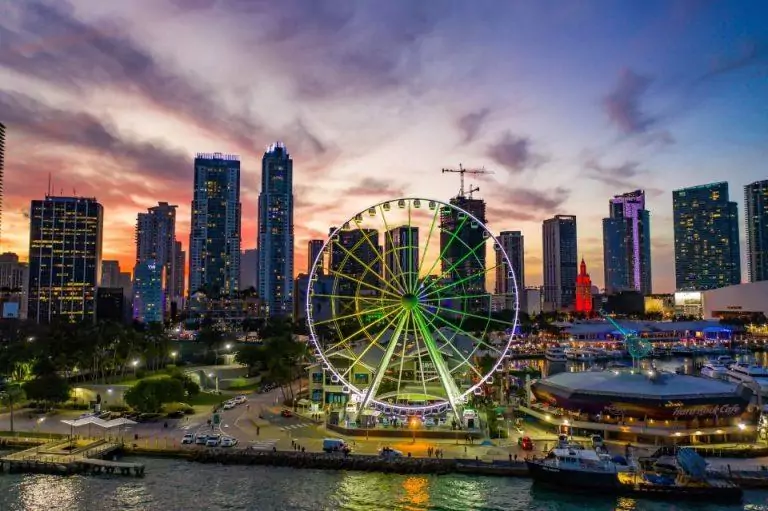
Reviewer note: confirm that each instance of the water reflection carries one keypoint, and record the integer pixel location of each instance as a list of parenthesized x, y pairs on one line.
[(416, 495), (45, 492)]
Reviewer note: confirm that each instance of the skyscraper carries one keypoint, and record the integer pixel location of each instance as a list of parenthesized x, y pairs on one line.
[(401, 253), (64, 258), (756, 220), (462, 244), (110, 273), (355, 253), (179, 263), (627, 244), (560, 262), (2, 170), (276, 231), (313, 250), (249, 269), (706, 226), (214, 238), (156, 241), (512, 242), (148, 299)]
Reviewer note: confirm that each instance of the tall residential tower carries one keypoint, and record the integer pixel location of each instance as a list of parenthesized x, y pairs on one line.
[(560, 262), (706, 225), (276, 231), (756, 220), (513, 244), (156, 242), (64, 258), (627, 244), (214, 238)]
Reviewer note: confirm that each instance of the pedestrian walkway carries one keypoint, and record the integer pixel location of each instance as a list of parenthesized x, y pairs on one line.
[(296, 426), (263, 445)]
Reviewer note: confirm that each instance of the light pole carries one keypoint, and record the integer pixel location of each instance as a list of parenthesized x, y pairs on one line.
[(216, 379), (135, 363), (173, 356)]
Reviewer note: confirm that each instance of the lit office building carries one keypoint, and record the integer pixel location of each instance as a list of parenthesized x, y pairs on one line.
[(512, 243), (560, 262), (148, 299), (756, 220), (627, 244)]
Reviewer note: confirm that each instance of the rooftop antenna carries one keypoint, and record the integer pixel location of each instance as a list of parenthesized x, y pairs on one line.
[(472, 190), (461, 171)]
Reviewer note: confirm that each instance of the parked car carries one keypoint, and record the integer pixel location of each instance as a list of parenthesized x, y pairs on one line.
[(201, 438), (525, 443), (189, 438), (240, 399), (229, 405), (228, 441), (387, 452), (213, 441), (286, 413)]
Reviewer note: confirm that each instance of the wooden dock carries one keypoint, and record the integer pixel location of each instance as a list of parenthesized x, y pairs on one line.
[(67, 457)]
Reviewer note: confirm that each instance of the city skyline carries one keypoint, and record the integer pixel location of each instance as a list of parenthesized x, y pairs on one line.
[(639, 111)]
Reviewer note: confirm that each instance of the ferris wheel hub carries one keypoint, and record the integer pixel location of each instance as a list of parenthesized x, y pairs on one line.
[(410, 301)]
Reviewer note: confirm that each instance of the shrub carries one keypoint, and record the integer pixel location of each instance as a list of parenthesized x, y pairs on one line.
[(140, 373), (118, 408)]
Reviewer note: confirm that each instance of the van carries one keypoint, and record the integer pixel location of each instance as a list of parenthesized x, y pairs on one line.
[(334, 445)]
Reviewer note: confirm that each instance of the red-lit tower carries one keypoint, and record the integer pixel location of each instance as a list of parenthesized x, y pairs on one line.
[(583, 290)]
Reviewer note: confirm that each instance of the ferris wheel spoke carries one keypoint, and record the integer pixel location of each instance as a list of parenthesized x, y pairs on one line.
[(446, 247), (344, 276), (395, 255), (451, 344), (455, 264), (382, 367), (488, 318), (426, 246), (353, 315), (419, 353), (449, 384), (400, 375), (373, 342), (461, 331), (394, 290), (363, 330), (463, 280), (452, 297)]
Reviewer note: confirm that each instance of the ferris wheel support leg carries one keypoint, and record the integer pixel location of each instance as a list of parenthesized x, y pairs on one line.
[(451, 390), (382, 368)]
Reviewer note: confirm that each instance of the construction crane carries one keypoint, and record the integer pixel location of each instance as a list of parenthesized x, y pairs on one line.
[(461, 171), (472, 190)]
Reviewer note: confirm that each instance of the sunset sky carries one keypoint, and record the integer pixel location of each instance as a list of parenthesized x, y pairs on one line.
[(567, 102)]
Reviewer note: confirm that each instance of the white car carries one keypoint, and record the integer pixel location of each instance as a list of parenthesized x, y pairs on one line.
[(213, 441), (240, 400), (189, 438), (201, 438), (228, 441), (229, 405)]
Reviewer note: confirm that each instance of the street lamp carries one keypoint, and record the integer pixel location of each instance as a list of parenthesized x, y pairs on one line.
[(135, 363), (173, 356), (216, 379)]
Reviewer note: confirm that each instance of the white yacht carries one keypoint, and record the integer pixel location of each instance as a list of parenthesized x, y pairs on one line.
[(726, 360), (715, 370), (555, 354), (749, 374)]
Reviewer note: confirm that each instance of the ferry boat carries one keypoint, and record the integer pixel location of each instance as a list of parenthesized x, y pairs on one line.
[(555, 354), (715, 370)]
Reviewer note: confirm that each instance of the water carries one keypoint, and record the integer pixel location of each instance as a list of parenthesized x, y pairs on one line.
[(172, 485)]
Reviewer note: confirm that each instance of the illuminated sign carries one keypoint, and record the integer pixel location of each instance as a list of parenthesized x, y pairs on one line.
[(688, 298)]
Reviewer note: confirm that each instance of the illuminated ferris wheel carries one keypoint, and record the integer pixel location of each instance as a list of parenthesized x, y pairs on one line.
[(399, 309)]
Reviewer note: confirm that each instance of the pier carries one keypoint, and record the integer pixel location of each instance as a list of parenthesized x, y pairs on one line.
[(70, 457)]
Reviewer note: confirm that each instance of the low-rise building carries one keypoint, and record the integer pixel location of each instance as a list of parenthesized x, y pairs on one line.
[(747, 301)]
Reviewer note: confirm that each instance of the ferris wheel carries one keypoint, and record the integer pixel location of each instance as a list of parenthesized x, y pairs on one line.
[(412, 306)]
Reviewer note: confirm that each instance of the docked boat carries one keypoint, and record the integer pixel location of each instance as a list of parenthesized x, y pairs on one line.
[(750, 374), (726, 360), (715, 370), (681, 350), (555, 354), (684, 477)]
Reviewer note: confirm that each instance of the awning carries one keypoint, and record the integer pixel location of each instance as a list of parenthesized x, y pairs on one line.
[(98, 422), (303, 402)]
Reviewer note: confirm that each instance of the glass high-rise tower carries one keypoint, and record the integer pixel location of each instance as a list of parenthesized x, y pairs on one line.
[(214, 239), (560, 261), (706, 225), (65, 238), (756, 221), (156, 242), (276, 231), (627, 244), (513, 244)]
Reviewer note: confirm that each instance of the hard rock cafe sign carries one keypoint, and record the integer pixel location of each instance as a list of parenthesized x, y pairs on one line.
[(706, 411)]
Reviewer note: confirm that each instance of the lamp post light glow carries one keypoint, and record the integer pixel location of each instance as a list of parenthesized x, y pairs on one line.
[(135, 364)]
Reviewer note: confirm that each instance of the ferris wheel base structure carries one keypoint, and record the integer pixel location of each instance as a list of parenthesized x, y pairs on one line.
[(408, 328)]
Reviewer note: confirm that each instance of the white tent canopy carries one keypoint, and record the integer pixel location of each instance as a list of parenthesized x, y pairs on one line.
[(98, 422)]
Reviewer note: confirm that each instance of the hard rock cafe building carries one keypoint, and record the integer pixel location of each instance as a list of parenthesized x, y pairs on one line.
[(648, 407)]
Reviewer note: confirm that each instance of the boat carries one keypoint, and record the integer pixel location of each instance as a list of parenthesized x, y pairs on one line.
[(578, 468), (555, 354), (681, 350), (683, 477), (750, 374), (714, 370), (725, 360)]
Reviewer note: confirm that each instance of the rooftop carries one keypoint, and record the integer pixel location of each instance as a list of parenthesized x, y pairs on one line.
[(664, 385), (604, 327)]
